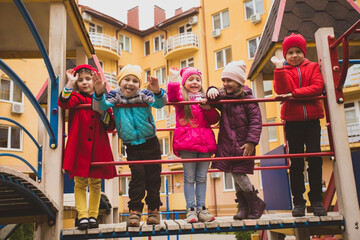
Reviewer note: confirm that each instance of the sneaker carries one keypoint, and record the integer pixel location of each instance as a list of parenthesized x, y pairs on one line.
[(134, 219), (153, 217), (93, 222), (205, 216), (318, 209), (191, 216), (83, 224), (299, 210)]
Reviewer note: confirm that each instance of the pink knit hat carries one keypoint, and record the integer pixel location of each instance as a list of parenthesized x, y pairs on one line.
[(294, 40), (187, 72), (236, 71)]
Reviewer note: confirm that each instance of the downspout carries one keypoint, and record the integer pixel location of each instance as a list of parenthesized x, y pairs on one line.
[(205, 43), (215, 202)]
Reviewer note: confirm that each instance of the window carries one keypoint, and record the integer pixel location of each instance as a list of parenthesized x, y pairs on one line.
[(223, 57), (229, 184), (123, 150), (147, 48), (125, 43), (160, 74), (163, 184), (267, 88), (147, 73), (158, 43), (352, 113), (272, 130), (125, 185), (253, 7), (221, 20), (10, 92), (164, 146), (252, 46), (161, 114), (185, 28), (95, 28), (10, 137), (187, 63)]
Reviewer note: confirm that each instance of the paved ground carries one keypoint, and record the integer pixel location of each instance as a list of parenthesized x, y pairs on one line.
[(192, 237)]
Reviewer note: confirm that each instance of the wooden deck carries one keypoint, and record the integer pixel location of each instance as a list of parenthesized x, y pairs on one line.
[(331, 224)]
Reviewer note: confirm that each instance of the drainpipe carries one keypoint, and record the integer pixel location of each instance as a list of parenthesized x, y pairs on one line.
[(215, 202), (205, 43)]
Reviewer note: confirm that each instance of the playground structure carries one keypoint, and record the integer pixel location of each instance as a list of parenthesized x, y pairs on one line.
[(51, 178)]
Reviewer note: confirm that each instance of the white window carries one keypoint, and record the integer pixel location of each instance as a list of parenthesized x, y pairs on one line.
[(147, 48), (272, 130), (253, 7), (125, 186), (123, 150), (163, 184), (185, 28), (223, 57), (267, 88), (9, 91), (221, 20), (352, 118), (187, 63), (164, 146), (147, 73), (158, 43), (252, 46), (161, 114), (125, 42), (95, 28), (229, 184), (10, 137), (160, 74)]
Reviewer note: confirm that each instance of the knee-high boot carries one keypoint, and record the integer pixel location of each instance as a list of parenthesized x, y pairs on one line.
[(243, 207), (256, 204)]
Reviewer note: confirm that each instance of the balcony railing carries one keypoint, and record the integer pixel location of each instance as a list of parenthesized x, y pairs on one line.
[(105, 41), (181, 40), (111, 79), (353, 132)]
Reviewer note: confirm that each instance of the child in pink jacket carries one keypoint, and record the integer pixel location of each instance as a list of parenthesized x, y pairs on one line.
[(193, 138)]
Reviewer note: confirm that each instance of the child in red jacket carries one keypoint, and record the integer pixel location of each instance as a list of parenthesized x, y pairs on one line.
[(87, 142), (298, 77)]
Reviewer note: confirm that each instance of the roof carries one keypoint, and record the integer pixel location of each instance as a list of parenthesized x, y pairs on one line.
[(304, 17)]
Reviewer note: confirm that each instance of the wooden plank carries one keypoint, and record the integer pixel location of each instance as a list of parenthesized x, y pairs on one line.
[(171, 225), (212, 224), (147, 228), (160, 227), (68, 231), (120, 227), (223, 222), (107, 228), (183, 224), (198, 225), (135, 229)]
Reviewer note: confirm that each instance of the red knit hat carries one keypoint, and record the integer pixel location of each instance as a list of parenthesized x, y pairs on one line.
[(85, 66), (294, 40)]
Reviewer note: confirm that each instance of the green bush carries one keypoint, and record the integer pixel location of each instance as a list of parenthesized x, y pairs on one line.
[(24, 232), (244, 235)]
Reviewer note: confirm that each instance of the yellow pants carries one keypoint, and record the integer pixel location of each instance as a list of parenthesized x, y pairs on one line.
[(81, 184)]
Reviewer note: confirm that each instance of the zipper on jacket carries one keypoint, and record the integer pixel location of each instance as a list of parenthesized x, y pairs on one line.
[(132, 115), (303, 105)]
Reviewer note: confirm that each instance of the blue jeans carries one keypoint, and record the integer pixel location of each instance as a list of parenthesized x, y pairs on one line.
[(195, 177)]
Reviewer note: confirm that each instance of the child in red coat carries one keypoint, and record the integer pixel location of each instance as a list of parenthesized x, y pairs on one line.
[(87, 142), (298, 77)]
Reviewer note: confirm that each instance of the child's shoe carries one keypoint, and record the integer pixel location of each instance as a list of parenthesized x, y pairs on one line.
[(205, 216), (83, 224), (318, 209), (191, 216), (93, 222), (134, 219), (299, 210), (153, 217)]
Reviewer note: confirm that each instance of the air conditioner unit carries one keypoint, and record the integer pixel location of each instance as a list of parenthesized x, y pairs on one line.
[(216, 33), (86, 16), (255, 18), (215, 174), (193, 20), (17, 108)]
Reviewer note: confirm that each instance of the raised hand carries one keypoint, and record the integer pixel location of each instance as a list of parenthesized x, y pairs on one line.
[(70, 73), (279, 63), (212, 93), (99, 85), (153, 85), (174, 74)]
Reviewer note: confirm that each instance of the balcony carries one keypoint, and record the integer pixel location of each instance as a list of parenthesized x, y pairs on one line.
[(106, 45), (181, 44), (111, 80), (353, 132)]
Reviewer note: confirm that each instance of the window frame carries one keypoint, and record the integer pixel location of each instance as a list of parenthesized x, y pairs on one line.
[(165, 151), (148, 41), (163, 114), (188, 62), (256, 11), (123, 47), (127, 181), (187, 28), (147, 73), (163, 183), (232, 183), (162, 76), (272, 128), (224, 57), (95, 28), (11, 92), (221, 20), (9, 138), (161, 43), (257, 40), (265, 89)]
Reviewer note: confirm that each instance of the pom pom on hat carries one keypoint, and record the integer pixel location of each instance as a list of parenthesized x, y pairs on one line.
[(77, 69), (294, 40), (130, 70), (236, 71), (187, 72)]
